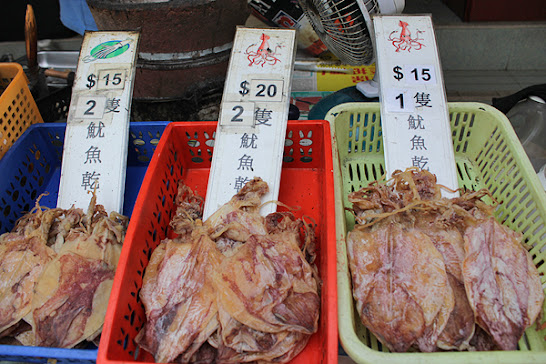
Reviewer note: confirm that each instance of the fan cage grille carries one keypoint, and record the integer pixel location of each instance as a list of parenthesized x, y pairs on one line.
[(342, 27)]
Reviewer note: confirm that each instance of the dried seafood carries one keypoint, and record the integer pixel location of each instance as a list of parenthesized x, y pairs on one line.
[(237, 288), (56, 274), (434, 273)]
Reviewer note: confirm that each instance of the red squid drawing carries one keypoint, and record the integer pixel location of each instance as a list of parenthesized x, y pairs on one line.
[(263, 55), (404, 41)]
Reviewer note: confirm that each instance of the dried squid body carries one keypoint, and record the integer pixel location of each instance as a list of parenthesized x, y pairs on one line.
[(501, 281), (268, 288), (400, 285), (449, 242), (23, 261), (177, 291), (236, 288), (24, 254), (179, 299), (71, 296)]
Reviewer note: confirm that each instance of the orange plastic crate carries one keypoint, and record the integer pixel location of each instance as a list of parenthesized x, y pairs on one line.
[(185, 153), (18, 109)]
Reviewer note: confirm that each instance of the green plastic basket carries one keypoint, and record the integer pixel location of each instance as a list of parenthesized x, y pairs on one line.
[(487, 154)]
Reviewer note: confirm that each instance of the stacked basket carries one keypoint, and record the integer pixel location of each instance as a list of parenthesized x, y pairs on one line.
[(18, 109)]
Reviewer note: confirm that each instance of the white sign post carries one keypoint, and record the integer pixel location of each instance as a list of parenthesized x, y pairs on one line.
[(97, 131), (414, 115), (251, 131)]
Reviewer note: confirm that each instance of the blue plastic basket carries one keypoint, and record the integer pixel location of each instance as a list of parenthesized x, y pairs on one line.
[(31, 167)]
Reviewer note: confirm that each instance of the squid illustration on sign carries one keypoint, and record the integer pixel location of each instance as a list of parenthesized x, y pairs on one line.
[(403, 41), (108, 49), (263, 55)]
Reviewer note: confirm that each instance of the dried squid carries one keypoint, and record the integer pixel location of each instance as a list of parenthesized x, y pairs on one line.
[(433, 273), (236, 288), (57, 271)]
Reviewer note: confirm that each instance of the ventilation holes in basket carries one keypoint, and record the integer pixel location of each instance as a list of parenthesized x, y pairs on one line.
[(288, 156)]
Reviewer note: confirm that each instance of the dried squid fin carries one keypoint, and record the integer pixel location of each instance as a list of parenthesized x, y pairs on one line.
[(201, 339), (283, 347), (450, 243), (446, 238)]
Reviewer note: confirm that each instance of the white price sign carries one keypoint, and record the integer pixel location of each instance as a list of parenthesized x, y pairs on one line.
[(414, 117), (253, 115), (97, 131)]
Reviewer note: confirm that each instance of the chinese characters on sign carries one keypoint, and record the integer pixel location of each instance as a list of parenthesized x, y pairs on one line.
[(417, 122), (263, 117), (257, 91), (248, 142), (90, 179), (249, 116), (95, 129), (422, 99), (112, 105)]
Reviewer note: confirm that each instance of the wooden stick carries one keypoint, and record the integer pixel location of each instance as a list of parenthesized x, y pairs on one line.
[(31, 39), (56, 73)]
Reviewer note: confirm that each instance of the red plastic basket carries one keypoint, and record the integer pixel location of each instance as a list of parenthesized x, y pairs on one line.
[(184, 153)]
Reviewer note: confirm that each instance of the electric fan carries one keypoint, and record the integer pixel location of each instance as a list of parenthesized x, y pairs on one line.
[(346, 28)]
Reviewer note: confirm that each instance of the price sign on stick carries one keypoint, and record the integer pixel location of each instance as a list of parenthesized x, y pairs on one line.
[(253, 115), (414, 116), (97, 131)]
